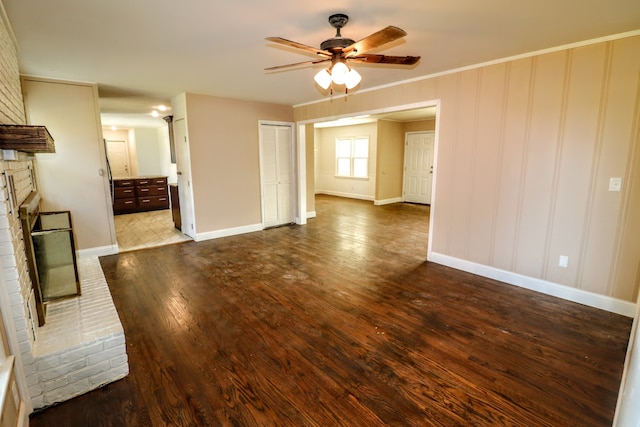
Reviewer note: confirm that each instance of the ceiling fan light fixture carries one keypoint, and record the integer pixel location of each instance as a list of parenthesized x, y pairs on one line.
[(339, 72), (323, 79), (352, 79), (339, 50)]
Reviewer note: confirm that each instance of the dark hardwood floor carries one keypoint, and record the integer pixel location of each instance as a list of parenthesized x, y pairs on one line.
[(342, 323)]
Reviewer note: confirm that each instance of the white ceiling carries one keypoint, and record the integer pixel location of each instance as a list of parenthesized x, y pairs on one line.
[(143, 52)]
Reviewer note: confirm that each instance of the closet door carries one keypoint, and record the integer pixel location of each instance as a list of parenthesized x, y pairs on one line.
[(276, 170)]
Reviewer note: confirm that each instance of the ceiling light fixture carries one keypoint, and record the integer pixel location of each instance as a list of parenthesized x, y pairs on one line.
[(340, 74)]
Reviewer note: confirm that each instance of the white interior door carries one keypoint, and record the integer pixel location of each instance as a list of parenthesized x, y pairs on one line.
[(276, 169), (183, 166), (418, 167), (118, 155)]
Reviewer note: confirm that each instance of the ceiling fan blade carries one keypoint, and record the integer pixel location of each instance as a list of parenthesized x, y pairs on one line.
[(384, 36), (385, 59), (297, 45), (279, 67)]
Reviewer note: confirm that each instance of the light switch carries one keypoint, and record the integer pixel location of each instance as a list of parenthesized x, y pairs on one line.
[(615, 184)]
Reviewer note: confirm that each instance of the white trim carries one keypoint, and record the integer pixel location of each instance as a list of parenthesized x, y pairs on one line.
[(228, 232), (590, 299), (23, 416), (432, 207), (98, 251), (626, 406), (301, 190), (388, 201), (485, 64), (393, 109), (311, 214)]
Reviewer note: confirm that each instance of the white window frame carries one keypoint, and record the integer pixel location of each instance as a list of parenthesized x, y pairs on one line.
[(352, 157)]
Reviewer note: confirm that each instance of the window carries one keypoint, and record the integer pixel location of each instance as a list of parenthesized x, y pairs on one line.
[(352, 157)]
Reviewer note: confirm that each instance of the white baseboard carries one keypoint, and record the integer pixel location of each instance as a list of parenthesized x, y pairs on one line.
[(590, 299), (388, 201), (228, 232), (98, 251), (347, 195), (311, 214)]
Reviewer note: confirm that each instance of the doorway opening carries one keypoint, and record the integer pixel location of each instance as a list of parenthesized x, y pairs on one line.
[(389, 132), (141, 179)]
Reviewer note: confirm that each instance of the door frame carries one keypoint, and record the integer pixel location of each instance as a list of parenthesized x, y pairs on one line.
[(187, 205), (301, 159), (294, 168)]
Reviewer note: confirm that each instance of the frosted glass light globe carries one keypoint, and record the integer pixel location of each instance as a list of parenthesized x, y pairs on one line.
[(323, 78), (339, 73)]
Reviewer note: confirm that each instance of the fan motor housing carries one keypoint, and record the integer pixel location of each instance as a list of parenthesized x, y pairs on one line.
[(336, 43)]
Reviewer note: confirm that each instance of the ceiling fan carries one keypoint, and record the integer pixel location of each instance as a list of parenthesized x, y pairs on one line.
[(339, 50)]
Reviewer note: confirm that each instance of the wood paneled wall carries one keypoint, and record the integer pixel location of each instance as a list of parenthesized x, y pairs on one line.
[(526, 148)]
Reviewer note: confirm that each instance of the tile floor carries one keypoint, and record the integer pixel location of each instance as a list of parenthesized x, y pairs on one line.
[(146, 229)]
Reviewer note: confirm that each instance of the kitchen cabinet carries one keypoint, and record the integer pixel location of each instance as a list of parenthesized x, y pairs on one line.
[(140, 194)]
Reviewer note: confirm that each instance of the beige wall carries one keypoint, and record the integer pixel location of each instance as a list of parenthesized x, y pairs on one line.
[(70, 179), (525, 152), (390, 159), (225, 160), (325, 172), (419, 125)]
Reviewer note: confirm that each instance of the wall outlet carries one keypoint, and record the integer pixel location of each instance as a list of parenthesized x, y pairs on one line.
[(564, 261)]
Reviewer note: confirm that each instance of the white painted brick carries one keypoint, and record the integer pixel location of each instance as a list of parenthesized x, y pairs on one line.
[(108, 376), (80, 353), (47, 363), (67, 392), (30, 369), (89, 371), (37, 401), (61, 370), (106, 355), (55, 384), (123, 359), (33, 380)]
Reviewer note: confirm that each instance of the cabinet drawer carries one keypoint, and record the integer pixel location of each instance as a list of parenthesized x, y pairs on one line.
[(124, 205), (159, 202), (123, 182), (151, 190), (124, 192), (141, 182)]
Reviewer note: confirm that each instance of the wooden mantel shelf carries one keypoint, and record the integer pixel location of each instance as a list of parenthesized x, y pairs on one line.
[(30, 139)]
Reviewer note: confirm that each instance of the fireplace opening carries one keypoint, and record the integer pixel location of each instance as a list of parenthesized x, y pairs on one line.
[(51, 256)]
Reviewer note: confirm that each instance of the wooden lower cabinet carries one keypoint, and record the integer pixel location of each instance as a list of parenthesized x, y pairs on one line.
[(140, 194)]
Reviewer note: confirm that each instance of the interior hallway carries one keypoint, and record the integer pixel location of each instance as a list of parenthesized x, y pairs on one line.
[(146, 230)]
